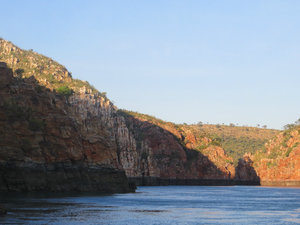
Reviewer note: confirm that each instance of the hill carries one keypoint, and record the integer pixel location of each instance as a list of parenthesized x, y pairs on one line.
[(235, 140), (48, 73)]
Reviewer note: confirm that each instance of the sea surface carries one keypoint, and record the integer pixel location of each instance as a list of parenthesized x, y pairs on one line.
[(159, 205)]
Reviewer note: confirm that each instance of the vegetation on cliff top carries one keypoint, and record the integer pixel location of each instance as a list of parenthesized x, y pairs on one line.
[(291, 126), (280, 146), (49, 73), (235, 140)]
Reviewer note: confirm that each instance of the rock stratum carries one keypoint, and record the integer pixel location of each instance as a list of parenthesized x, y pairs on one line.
[(51, 140), (58, 133), (278, 163)]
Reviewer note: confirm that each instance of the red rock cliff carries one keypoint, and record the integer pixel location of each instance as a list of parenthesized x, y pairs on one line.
[(159, 151), (279, 162), (52, 142), (60, 133)]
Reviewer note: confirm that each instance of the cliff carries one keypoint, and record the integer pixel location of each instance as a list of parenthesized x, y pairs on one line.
[(167, 153), (55, 132), (278, 163), (58, 133), (67, 121)]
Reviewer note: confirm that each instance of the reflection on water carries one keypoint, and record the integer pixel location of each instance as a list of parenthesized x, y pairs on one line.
[(159, 205)]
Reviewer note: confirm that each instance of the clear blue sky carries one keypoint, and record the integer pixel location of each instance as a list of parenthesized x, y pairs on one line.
[(182, 61)]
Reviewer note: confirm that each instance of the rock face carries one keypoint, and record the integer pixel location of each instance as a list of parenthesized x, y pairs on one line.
[(50, 142), (245, 172), (56, 126), (156, 154), (60, 134), (279, 162)]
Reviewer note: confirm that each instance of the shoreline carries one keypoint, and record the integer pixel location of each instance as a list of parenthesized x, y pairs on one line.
[(156, 181), (290, 183)]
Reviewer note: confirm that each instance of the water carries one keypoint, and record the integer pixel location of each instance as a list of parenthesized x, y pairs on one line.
[(160, 205)]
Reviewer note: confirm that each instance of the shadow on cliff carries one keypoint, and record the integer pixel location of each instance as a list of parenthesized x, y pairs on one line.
[(42, 147), (162, 159), (245, 173), (176, 163)]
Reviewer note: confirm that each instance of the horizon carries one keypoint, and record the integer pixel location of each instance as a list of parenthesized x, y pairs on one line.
[(181, 62)]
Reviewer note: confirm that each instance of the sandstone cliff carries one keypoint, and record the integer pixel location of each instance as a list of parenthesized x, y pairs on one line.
[(161, 152), (51, 140), (59, 133), (279, 162), (78, 124), (245, 170)]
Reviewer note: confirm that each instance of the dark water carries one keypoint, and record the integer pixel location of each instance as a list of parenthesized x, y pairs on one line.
[(160, 205)]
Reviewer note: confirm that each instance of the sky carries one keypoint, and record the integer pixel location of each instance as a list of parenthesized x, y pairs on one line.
[(181, 61)]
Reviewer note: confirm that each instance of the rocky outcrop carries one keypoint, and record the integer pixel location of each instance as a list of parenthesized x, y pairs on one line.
[(279, 162), (157, 155), (50, 142), (245, 172)]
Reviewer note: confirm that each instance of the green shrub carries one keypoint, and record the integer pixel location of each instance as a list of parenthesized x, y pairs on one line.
[(287, 154), (201, 147), (229, 161), (274, 154), (284, 144), (19, 72), (216, 141), (271, 164), (65, 90)]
